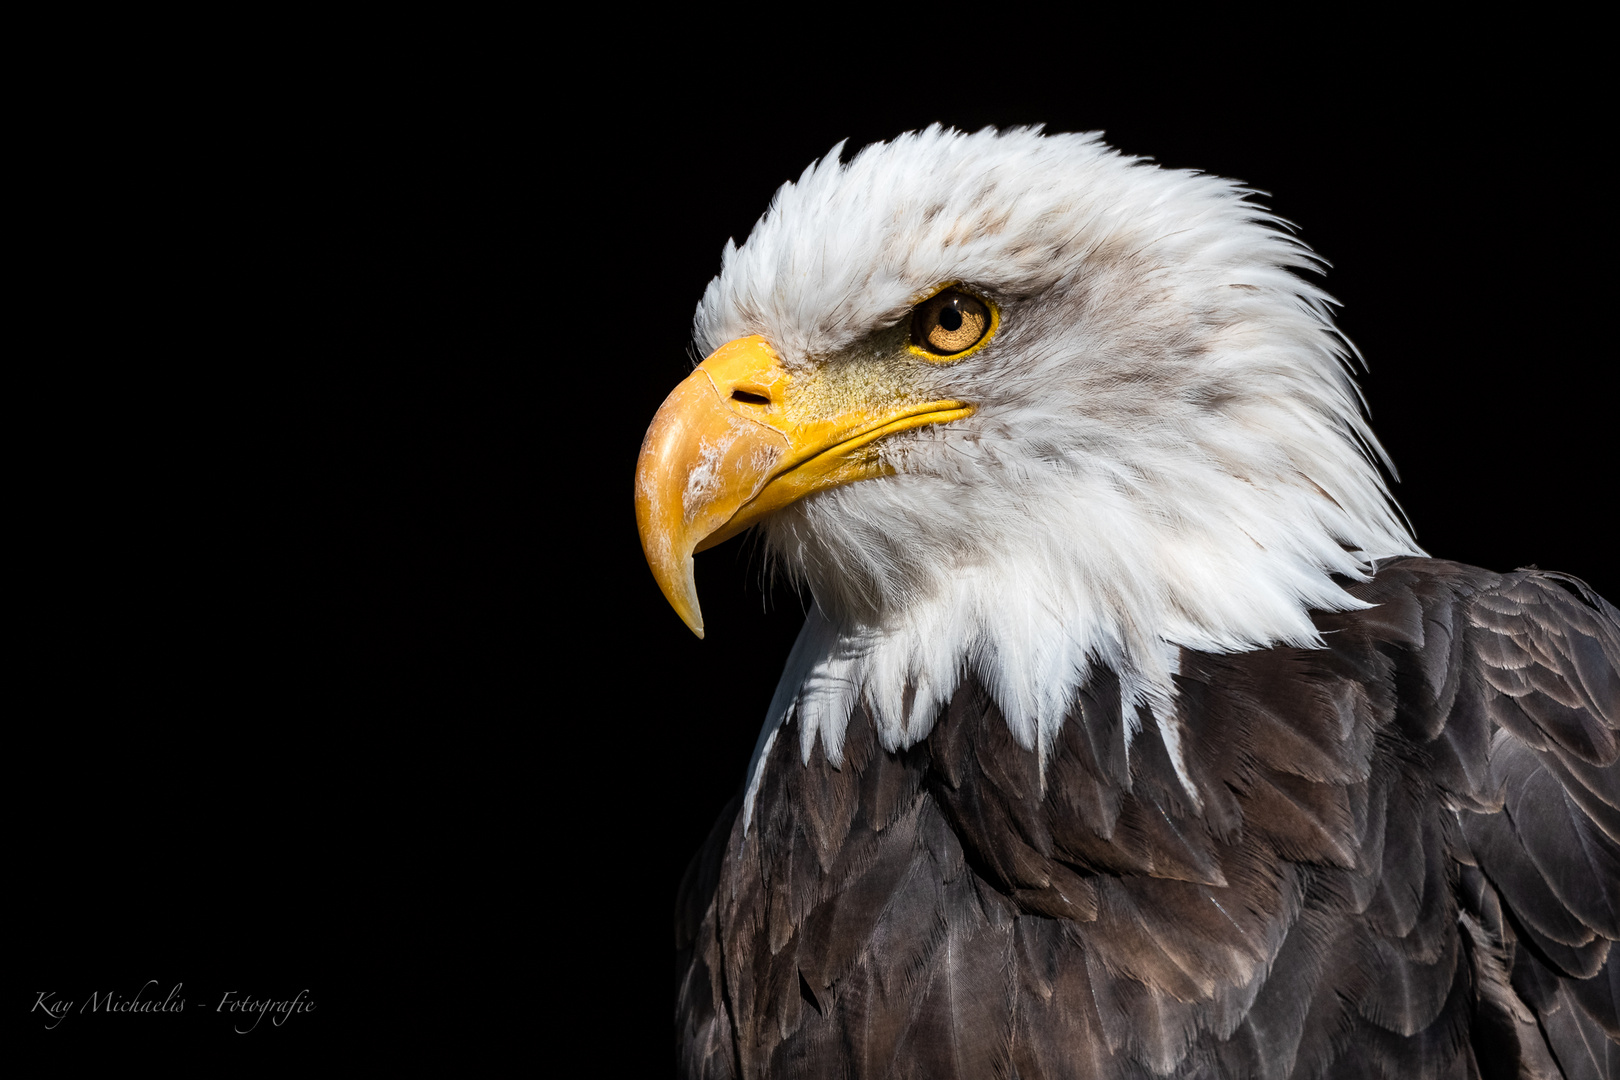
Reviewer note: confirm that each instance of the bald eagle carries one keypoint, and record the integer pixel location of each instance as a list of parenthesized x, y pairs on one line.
[(1130, 732)]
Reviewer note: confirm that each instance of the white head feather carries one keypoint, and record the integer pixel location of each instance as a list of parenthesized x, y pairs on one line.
[(1168, 449)]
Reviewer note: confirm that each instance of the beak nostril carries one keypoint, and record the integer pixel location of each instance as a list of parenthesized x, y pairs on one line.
[(751, 399)]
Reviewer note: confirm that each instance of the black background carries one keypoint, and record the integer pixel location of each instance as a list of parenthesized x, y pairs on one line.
[(342, 667)]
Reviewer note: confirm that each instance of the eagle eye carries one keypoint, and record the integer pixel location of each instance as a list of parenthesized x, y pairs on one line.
[(950, 322)]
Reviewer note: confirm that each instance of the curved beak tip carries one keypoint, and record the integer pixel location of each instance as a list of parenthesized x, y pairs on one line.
[(674, 572), (685, 601), (700, 462)]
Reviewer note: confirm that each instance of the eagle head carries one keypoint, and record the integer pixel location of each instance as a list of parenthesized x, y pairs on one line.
[(1014, 405)]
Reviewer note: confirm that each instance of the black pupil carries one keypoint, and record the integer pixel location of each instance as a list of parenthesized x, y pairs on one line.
[(950, 318)]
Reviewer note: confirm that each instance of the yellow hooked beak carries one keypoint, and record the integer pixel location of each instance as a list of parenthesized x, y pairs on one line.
[(735, 442)]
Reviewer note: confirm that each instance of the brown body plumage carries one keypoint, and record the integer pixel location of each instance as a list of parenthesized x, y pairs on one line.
[(1405, 865)]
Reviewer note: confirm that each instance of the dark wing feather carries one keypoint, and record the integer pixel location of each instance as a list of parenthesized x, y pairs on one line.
[(1401, 862), (1547, 650)]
